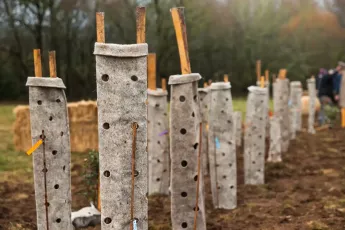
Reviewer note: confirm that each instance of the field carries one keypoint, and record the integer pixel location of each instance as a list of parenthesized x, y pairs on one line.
[(306, 191)]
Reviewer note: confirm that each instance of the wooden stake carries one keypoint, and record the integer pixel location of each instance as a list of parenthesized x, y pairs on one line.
[(100, 27), (181, 36), (151, 71), (205, 85), (267, 75), (226, 78), (37, 63), (164, 84), (258, 70), (141, 24), (343, 117), (262, 82), (52, 64)]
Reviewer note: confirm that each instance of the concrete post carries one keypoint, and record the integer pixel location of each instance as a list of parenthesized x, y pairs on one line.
[(237, 117), (312, 103), (158, 142), (254, 139), (204, 96), (281, 109), (51, 161), (121, 73), (274, 154), (222, 147), (184, 143), (295, 102)]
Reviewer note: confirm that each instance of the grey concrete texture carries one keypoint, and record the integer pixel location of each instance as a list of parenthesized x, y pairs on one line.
[(312, 105), (48, 113), (267, 86), (275, 150), (281, 108), (254, 138), (237, 117), (295, 107), (204, 96), (222, 147), (184, 146), (158, 142), (121, 74)]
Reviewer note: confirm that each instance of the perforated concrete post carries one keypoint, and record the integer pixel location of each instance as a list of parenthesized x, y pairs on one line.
[(184, 141), (222, 149), (254, 138), (267, 87), (274, 154), (281, 108), (295, 87), (237, 116), (158, 142), (312, 102), (299, 93), (121, 72), (204, 97), (48, 114)]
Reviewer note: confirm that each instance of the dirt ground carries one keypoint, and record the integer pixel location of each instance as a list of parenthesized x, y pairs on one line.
[(306, 191)]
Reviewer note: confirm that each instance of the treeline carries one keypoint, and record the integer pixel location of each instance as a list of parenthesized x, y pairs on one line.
[(225, 36)]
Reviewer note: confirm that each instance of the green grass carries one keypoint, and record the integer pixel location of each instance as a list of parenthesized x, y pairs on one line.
[(18, 164)]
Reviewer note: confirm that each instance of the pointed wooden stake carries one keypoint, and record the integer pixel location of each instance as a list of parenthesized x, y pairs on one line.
[(141, 24), (151, 71), (226, 78), (100, 27), (258, 70), (52, 64), (164, 84), (181, 36), (267, 75), (37, 63)]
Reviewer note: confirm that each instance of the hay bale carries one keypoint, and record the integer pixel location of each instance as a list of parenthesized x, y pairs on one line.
[(82, 121)]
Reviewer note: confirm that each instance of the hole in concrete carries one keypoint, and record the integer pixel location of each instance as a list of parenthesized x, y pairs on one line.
[(223, 154), (193, 115), (182, 98), (159, 161), (195, 98), (253, 162), (158, 142), (39, 102), (183, 131), (184, 163), (157, 105), (229, 121), (231, 186), (196, 209), (56, 186), (158, 179), (106, 173), (47, 204), (107, 220), (105, 77), (63, 168), (195, 145), (58, 220), (184, 225), (54, 152), (106, 126), (134, 78), (184, 194), (136, 173), (165, 170), (222, 111), (230, 165), (224, 177), (45, 170), (58, 100), (196, 178), (226, 99), (218, 187), (158, 123), (165, 114), (61, 134)]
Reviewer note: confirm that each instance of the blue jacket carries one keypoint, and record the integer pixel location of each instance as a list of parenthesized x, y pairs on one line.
[(337, 83)]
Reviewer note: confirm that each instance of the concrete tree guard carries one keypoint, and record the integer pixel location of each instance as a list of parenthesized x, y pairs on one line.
[(295, 103), (237, 117), (204, 97), (299, 93), (184, 141), (158, 142), (281, 109), (121, 73), (267, 87), (222, 147), (254, 138), (48, 114), (312, 102), (274, 154)]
